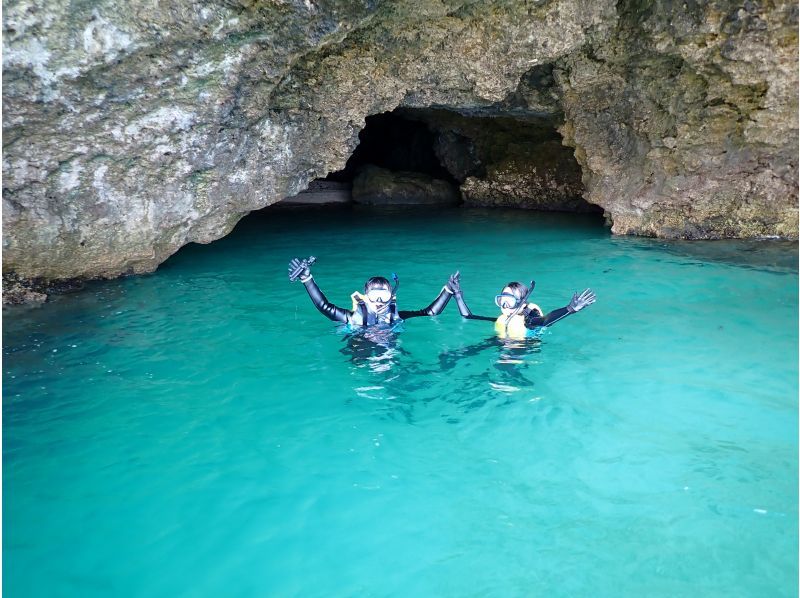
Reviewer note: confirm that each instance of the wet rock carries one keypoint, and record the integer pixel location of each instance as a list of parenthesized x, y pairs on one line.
[(18, 295), (379, 186), (17, 291)]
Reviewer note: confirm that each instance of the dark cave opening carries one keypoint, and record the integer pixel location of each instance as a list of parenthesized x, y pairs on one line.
[(437, 156), (394, 142)]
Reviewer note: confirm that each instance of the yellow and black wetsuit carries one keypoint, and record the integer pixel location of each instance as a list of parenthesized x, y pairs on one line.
[(366, 318), (529, 318)]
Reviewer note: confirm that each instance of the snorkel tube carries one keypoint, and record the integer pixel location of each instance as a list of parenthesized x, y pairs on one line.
[(521, 304), (393, 298)]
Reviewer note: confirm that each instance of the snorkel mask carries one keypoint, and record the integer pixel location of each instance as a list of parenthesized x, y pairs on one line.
[(383, 297), (506, 301), (380, 296)]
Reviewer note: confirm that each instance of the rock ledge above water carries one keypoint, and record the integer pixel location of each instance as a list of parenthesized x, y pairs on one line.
[(131, 131), (382, 187)]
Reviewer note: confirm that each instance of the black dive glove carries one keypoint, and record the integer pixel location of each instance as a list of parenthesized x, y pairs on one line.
[(301, 269), (578, 302), (454, 283)]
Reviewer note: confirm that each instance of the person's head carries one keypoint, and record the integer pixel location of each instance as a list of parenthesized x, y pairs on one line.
[(378, 293), (510, 297)]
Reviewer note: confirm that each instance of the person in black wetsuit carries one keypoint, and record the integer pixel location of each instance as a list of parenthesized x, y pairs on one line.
[(377, 305), (518, 316)]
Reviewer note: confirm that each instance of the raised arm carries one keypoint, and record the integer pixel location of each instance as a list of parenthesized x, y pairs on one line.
[(463, 308), (577, 303), (435, 308), (301, 269)]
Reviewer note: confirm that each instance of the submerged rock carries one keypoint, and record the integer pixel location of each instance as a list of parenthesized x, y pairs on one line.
[(17, 293), (382, 187), (130, 131), (18, 290)]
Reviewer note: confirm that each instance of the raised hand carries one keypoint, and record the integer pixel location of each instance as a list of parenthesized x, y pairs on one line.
[(300, 268), (578, 302), (454, 283)]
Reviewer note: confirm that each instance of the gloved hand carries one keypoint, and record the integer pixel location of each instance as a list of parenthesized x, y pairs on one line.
[(300, 269), (454, 283), (578, 302)]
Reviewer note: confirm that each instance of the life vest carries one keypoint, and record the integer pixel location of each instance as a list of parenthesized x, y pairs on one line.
[(515, 328), (369, 318)]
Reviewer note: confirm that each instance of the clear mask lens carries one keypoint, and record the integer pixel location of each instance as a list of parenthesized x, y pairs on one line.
[(506, 301), (379, 295)]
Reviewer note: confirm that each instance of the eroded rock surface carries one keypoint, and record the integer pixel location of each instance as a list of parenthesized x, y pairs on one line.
[(685, 120), (381, 187), (545, 186), (130, 130), (507, 161)]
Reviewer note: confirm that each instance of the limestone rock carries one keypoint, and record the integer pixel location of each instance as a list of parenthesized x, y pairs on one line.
[(683, 121), (458, 154), (131, 129), (17, 293), (381, 187), (511, 162), (511, 184), (321, 193), (18, 290)]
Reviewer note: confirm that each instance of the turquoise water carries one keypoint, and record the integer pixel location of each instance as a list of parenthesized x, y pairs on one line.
[(205, 431)]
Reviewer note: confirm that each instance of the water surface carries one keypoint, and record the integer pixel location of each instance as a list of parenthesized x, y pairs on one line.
[(205, 431)]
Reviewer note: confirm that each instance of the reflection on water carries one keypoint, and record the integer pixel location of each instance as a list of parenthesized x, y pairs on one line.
[(510, 361), (760, 254), (494, 370), (376, 347), (510, 352)]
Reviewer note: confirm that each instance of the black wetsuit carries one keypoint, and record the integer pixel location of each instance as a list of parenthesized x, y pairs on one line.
[(338, 314), (533, 317)]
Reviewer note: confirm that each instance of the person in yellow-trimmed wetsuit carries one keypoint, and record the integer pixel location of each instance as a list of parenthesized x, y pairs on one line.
[(518, 315)]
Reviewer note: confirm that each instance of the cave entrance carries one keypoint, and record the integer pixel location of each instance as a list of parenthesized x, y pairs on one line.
[(394, 142), (438, 156)]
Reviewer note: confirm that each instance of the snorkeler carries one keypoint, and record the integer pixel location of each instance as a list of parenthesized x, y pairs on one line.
[(377, 305), (518, 316)]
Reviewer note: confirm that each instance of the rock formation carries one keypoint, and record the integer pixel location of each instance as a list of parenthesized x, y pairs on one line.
[(130, 131), (380, 187), (508, 161)]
